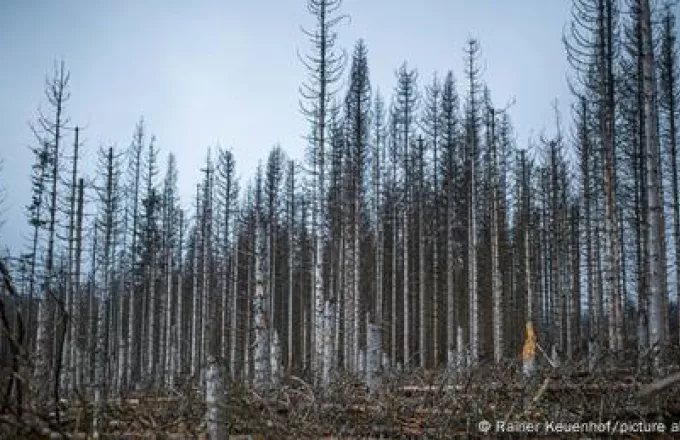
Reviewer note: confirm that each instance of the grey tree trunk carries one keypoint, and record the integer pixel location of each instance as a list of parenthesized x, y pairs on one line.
[(262, 362), (233, 309), (329, 331), (76, 355), (374, 354), (655, 221), (207, 312), (68, 359), (101, 353), (133, 335), (195, 311), (291, 268), (179, 319), (452, 323), (496, 277), (422, 320), (216, 414)]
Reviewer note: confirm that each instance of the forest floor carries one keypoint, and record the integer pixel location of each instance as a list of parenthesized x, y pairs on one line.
[(557, 402)]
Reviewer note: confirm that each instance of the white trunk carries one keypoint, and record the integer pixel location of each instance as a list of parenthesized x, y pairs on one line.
[(451, 348), (101, 352), (120, 375), (100, 356), (224, 333), (435, 295), (393, 315), (271, 292), (654, 198), (275, 359), (291, 271), (41, 378), (496, 278), (328, 332), (169, 344), (422, 321), (356, 298), (318, 315), (216, 414), (76, 355), (248, 318), (379, 243), (527, 270), (461, 352), (362, 365), (151, 331), (497, 290), (234, 304), (262, 363), (179, 320), (206, 306), (373, 344), (406, 299), (68, 355), (195, 316), (472, 261)]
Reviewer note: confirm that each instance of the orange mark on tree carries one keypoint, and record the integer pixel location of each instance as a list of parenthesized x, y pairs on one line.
[(529, 349)]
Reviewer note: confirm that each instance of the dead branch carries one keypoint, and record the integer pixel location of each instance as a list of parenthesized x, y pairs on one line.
[(659, 385)]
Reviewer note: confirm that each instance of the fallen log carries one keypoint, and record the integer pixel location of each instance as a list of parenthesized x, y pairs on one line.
[(658, 386)]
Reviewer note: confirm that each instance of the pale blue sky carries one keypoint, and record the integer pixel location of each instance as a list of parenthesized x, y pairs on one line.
[(207, 71)]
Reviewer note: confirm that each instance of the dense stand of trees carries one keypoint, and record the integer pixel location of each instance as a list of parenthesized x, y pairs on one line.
[(417, 234)]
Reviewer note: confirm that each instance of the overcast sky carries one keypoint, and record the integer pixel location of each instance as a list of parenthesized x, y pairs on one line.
[(202, 72)]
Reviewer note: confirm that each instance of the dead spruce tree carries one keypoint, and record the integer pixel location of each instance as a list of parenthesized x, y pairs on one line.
[(325, 68), (49, 132), (472, 122)]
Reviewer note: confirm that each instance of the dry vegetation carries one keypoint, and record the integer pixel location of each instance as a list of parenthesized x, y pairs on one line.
[(423, 403)]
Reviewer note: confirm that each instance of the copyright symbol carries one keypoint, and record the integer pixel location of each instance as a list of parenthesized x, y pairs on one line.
[(484, 426)]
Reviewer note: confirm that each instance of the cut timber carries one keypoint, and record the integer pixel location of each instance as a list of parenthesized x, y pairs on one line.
[(658, 386)]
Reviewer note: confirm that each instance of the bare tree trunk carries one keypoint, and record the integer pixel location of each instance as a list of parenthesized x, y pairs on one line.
[(669, 84), (472, 262), (329, 331), (68, 360), (262, 354), (377, 199), (472, 52), (262, 322), (291, 268), (101, 351), (407, 303), (247, 337), (356, 292), (169, 344), (195, 315), (656, 270), (422, 345), (76, 355), (36, 220), (496, 277), (216, 417), (374, 353), (179, 317), (207, 312), (393, 318), (151, 330), (450, 267), (233, 308)]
